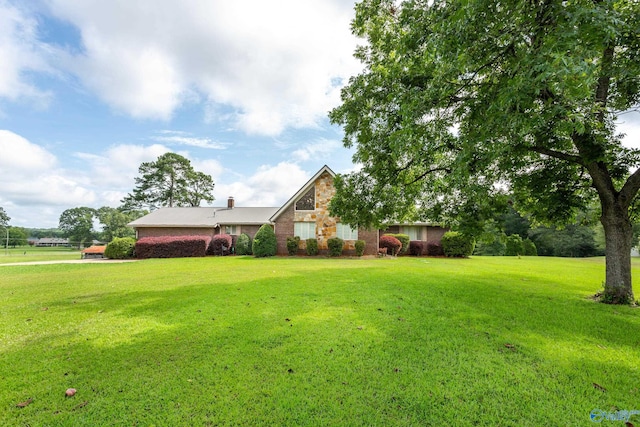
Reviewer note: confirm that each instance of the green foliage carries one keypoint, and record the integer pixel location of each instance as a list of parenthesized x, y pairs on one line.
[(570, 241), (312, 247), (169, 181), (514, 246), (293, 244), (114, 222), (243, 245), (456, 244), (131, 336), (336, 245), (17, 237), (120, 248), (264, 242), (404, 240), (77, 225), (360, 245), (491, 243), (456, 97), (529, 248)]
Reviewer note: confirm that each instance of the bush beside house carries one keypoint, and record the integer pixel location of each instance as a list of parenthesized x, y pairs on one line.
[(264, 242), (243, 245), (336, 245), (416, 247), (220, 245), (359, 246), (312, 247), (293, 244), (172, 246), (391, 243), (120, 248), (404, 239)]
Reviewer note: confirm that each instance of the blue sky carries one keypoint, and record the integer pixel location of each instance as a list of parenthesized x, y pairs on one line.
[(90, 89)]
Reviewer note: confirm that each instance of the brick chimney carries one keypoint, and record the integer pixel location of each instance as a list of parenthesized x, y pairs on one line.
[(230, 203)]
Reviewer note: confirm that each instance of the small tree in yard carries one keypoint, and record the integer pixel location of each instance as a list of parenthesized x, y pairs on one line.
[(514, 245), (264, 242)]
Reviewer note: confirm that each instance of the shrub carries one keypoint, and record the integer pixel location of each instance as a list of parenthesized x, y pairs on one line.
[(120, 248), (392, 244), (514, 246), (264, 242), (434, 249), (312, 247), (529, 248), (458, 245), (404, 239), (360, 245), (336, 245), (292, 245), (172, 246), (220, 244), (243, 244), (416, 247)]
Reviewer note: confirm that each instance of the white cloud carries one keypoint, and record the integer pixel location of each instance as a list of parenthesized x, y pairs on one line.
[(183, 138), (268, 186), (20, 53), (275, 65), (320, 149), (629, 124)]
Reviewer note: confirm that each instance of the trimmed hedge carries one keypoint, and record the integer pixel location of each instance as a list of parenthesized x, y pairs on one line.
[(221, 245), (360, 245), (172, 246), (293, 244), (404, 239), (120, 248), (312, 247), (336, 245), (264, 242), (457, 245), (434, 249), (243, 244), (416, 247), (390, 242)]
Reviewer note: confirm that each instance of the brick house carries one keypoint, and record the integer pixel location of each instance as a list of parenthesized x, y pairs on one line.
[(305, 214)]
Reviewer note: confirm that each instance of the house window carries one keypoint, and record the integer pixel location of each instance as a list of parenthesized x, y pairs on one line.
[(308, 201), (345, 232), (231, 230), (304, 230), (413, 233)]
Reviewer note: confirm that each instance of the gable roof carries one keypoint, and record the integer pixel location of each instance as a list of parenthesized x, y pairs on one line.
[(204, 217), (302, 191)]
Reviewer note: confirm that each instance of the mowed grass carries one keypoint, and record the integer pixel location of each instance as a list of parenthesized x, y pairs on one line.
[(35, 254), (299, 341)]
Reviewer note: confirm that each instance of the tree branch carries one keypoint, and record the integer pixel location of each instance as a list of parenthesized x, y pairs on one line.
[(559, 155)]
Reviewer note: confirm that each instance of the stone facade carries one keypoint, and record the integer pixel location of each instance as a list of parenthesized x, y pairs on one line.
[(325, 224)]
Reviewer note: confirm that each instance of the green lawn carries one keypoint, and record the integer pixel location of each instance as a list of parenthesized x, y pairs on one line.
[(30, 253), (298, 341)]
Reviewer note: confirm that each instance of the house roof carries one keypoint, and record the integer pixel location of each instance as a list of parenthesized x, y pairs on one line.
[(302, 191), (204, 217)]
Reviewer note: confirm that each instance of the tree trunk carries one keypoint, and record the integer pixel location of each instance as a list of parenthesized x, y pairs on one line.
[(618, 238)]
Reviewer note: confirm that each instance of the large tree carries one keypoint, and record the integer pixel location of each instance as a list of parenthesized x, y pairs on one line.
[(77, 225), (169, 181), (114, 222), (460, 101)]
